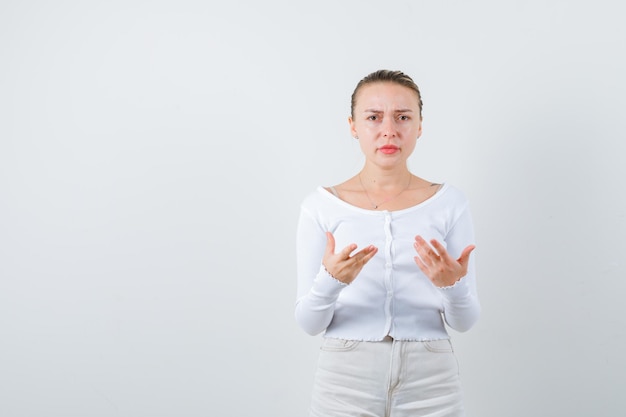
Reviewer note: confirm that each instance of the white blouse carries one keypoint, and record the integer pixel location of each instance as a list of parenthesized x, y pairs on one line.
[(390, 296)]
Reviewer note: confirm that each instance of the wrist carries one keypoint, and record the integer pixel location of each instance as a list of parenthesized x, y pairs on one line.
[(333, 276)]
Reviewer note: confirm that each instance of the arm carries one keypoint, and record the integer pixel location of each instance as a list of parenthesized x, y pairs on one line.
[(452, 270), (322, 273), (317, 291)]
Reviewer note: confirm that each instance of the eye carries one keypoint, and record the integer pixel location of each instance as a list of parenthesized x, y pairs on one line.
[(404, 117), (372, 117)]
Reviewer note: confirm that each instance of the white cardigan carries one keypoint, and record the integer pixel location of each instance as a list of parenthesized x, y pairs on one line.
[(391, 296)]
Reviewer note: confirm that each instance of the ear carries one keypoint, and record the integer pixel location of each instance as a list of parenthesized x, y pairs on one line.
[(352, 127), (419, 129)]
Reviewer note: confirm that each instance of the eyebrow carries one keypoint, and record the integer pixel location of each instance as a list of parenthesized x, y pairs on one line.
[(395, 111)]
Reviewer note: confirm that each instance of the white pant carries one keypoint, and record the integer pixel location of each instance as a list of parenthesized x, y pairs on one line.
[(387, 379)]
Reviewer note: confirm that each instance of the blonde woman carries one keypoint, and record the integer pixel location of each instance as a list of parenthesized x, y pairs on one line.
[(384, 265)]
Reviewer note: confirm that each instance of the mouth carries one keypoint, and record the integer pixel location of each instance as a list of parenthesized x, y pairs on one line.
[(389, 149)]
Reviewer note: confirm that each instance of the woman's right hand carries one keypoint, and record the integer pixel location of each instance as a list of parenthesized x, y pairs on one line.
[(342, 266)]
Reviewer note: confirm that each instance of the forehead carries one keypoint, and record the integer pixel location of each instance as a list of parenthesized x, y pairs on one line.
[(386, 94)]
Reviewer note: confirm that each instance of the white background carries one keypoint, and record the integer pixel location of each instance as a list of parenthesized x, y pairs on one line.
[(153, 156)]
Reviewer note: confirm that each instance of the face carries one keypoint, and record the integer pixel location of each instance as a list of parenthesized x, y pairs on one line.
[(387, 122)]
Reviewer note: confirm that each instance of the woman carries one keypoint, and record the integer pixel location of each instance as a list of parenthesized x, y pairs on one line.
[(383, 261)]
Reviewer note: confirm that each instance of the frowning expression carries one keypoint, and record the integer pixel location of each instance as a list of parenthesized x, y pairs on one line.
[(386, 121)]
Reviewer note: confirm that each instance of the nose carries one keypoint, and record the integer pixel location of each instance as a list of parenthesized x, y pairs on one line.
[(389, 127)]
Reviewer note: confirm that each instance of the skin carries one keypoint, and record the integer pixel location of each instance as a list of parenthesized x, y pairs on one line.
[(387, 123)]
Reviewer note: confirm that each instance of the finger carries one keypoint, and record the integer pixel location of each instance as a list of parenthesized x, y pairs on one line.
[(441, 250), (421, 265), (330, 244), (345, 252), (464, 258), (426, 253), (421, 243), (364, 255)]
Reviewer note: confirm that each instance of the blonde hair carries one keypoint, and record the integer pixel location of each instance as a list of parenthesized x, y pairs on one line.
[(397, 77)]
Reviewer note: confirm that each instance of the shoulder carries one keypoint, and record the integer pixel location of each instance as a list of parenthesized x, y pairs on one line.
[(451, 199), (452, 192), (320, 205), (316, 198)]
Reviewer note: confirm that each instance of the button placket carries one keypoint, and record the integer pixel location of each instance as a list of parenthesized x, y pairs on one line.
[(388, 272)]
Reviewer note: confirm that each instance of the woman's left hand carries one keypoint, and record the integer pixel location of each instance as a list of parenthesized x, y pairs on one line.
[(436, 263)]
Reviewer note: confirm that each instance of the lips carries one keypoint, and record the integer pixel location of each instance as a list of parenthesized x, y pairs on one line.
[(389, 149)]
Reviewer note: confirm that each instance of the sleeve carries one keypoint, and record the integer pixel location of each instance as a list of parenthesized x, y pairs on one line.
[(317, 291), (461, 305)]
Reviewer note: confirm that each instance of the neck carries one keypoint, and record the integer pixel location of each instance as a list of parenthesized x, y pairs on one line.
[(378, 178), (390, 188)]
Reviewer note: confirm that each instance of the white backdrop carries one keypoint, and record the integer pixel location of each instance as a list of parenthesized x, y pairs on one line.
[(153, 156)]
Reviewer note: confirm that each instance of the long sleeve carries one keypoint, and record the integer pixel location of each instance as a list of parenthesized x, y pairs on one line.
[(317, 291), (390, 296), (461, 305)]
